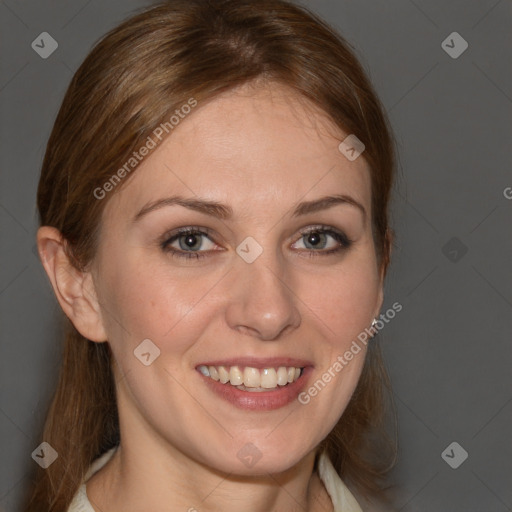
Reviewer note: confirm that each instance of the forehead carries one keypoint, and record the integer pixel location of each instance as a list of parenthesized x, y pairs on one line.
[(264, 147)]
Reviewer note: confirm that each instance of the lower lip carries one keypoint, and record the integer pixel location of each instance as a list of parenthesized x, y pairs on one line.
[(259, 400)]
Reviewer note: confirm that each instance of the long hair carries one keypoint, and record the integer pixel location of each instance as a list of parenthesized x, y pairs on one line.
[(131, 82)]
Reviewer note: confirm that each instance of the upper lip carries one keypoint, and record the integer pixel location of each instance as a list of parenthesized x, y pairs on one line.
[(259, 362)]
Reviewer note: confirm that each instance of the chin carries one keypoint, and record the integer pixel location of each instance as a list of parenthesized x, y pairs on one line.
[(255, 458)]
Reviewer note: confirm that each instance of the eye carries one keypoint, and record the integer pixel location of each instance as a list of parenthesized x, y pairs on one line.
[(324, 240), (188, 242), (194, 242)]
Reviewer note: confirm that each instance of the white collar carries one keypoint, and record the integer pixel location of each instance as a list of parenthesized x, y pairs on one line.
[(342, 499)]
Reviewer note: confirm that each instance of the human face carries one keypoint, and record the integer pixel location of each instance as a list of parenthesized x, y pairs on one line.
[(260, 152)]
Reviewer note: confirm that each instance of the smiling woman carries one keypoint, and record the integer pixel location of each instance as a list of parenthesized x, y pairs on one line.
[(225, 275)]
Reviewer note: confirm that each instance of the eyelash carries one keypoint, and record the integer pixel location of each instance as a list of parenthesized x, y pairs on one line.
[(340, 237)]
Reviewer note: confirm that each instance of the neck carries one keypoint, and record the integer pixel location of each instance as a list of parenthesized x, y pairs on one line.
[(138, 478)]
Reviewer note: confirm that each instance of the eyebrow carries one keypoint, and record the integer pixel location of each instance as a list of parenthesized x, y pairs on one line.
[(225, 212)]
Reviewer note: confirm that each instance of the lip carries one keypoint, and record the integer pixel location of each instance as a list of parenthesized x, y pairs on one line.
[(259, 362), (258, 400)]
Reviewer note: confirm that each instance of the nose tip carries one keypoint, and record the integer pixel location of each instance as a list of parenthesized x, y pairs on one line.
[(262, 304)]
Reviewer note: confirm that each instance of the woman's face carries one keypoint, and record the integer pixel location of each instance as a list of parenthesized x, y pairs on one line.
[(248, 289)]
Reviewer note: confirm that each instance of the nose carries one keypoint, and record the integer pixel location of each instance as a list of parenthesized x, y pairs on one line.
[(262, 303)]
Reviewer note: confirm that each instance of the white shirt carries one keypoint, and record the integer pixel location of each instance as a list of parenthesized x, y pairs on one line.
[(342, 499)]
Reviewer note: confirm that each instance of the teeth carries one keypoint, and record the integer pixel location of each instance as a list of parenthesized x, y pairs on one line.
[(223, 374), (204, 370), (269, 378), (214, 374), (252, 379), (282, 376), (236, 377)]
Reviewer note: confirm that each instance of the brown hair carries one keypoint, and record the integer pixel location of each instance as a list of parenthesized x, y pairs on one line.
[(131, 82)]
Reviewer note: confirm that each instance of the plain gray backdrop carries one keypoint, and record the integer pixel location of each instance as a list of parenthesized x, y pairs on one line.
[(448, 351)]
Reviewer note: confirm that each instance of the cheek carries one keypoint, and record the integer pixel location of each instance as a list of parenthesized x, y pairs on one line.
[(154, 302), (343, 301)]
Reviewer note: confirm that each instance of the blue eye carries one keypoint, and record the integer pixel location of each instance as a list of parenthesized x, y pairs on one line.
[(318, 238), (191, 242)]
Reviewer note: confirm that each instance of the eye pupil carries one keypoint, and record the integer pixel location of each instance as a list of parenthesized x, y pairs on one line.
[(192, 240), (314, 238)]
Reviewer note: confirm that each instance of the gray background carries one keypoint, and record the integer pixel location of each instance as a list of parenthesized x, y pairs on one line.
[(448, 350)]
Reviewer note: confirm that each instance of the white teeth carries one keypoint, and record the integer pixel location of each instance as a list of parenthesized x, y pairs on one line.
[(214, 374), (252, 379), (223, 374), (236, 377), (282, 376), (204, 370), (268, 378)]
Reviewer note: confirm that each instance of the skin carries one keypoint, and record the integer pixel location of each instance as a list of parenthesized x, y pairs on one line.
[(260, 150)]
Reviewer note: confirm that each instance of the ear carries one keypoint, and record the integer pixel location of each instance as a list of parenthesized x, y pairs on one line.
[(386, 258), (389, 238), (73, 288)]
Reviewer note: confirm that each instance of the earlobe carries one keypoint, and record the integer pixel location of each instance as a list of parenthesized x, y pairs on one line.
[(73, 288), (380, 301)]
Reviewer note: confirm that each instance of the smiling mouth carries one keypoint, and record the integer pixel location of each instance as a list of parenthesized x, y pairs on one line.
[(252, 379)]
